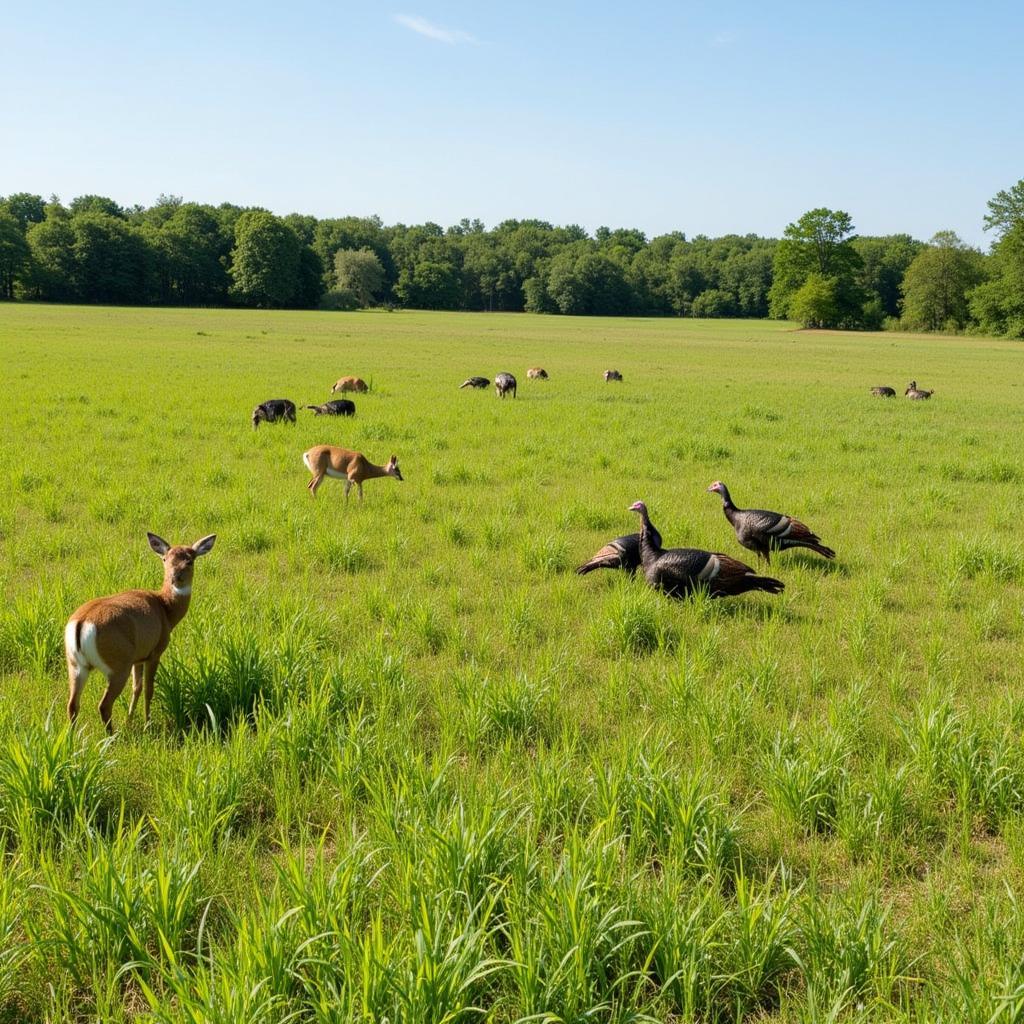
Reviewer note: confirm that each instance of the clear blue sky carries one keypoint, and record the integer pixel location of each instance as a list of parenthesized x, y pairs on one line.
[(703, 117)]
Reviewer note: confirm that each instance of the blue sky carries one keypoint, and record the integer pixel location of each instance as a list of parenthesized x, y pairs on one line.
[(701, 117)]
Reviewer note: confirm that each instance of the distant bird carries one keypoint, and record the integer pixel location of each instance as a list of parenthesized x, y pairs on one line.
[(339, 407), (504, 383), (680, 571), (612, 375), (272, 410), (883, 392), (536, 373), (762, 532), (916, 393), (474, 382), (621, 553)]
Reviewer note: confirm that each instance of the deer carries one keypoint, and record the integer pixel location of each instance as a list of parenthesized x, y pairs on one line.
[(342, 464), (350, 384), (126, 634), (504, 383)]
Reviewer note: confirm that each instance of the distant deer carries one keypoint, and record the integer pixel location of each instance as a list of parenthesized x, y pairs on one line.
[(504, 383), (127, 633), (612, 375), (350, 384), (536, 373), (343, 464)]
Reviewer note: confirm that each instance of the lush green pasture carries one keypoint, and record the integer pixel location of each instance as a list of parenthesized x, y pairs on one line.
[(406, 765)]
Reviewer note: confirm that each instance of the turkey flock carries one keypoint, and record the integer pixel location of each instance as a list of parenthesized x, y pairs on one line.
[(678, 572)]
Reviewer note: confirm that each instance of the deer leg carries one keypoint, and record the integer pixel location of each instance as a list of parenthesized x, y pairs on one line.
[(77, 675), (348, 487), (136, 689), (360, 486), (149, 669), (313, 484), (115, 684)]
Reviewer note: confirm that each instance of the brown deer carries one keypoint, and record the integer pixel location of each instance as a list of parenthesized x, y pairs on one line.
[(350, 384), (127, 633), (537, 373), (343, 464)]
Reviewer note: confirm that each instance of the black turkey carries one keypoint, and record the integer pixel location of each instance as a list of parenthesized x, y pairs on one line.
[(917, 394), (762, 532), (680, 571), (621, 553), (883, 392), (339, 407)]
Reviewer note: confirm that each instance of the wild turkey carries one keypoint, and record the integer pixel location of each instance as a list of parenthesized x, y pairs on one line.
[(916, 393), (883, 392), (610, 375), (621, 553), (680, 571), (339, 407), (762, 532), (474, 382), (504, 383)]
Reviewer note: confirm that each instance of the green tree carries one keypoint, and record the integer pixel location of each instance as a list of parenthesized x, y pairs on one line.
[(998, 304), (111, 259), (1006, 209), (820, 242), (51, 268), (264, 261), (194, 249), (936, 284), (14, 253), (96, 204), (25, 208), (816, 303), (884, 261), (360, 272)]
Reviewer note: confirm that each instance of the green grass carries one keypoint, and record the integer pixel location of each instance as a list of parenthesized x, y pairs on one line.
[(405, 764)]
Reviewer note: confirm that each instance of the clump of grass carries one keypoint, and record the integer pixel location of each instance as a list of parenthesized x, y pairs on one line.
[(700, 450), (548, 555), (32, 633), (992, 471), (972, 557), (51, 785), (805, 781), (518, 709), (342, 554), (254, 540), (637, 624)]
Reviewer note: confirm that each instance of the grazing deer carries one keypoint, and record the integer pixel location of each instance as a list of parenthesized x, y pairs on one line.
[(127, 633), (612, 375), (343, 464), (475, 382), (504, 383), (536, 373), (350, 384)]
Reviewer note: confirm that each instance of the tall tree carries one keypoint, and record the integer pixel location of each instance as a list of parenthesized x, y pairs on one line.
[(25, 208), (360, 272), (14, 253), (936, 284), (264, 261), (820, 242)]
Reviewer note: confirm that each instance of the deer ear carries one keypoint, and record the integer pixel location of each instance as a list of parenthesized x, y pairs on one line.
[(158, 544), (202, 547), (394, 459)]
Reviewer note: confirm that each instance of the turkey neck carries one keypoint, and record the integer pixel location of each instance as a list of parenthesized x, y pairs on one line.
[(650, 540), (728, 507)]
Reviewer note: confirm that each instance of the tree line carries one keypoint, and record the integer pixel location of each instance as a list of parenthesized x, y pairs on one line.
[(819, 273)]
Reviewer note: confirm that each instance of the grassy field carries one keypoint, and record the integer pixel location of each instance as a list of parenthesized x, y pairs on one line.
[(405, 765)]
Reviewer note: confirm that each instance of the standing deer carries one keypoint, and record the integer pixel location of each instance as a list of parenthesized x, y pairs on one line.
[(503, 384), (127, 633), (343, 464)]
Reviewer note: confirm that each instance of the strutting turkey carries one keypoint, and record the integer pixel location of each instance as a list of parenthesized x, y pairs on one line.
[(680, 571), (621, 553), (762, 532)]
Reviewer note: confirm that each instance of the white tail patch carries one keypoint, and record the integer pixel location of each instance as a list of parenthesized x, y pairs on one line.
[(88, 652), (305, 459), (711, 570)]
